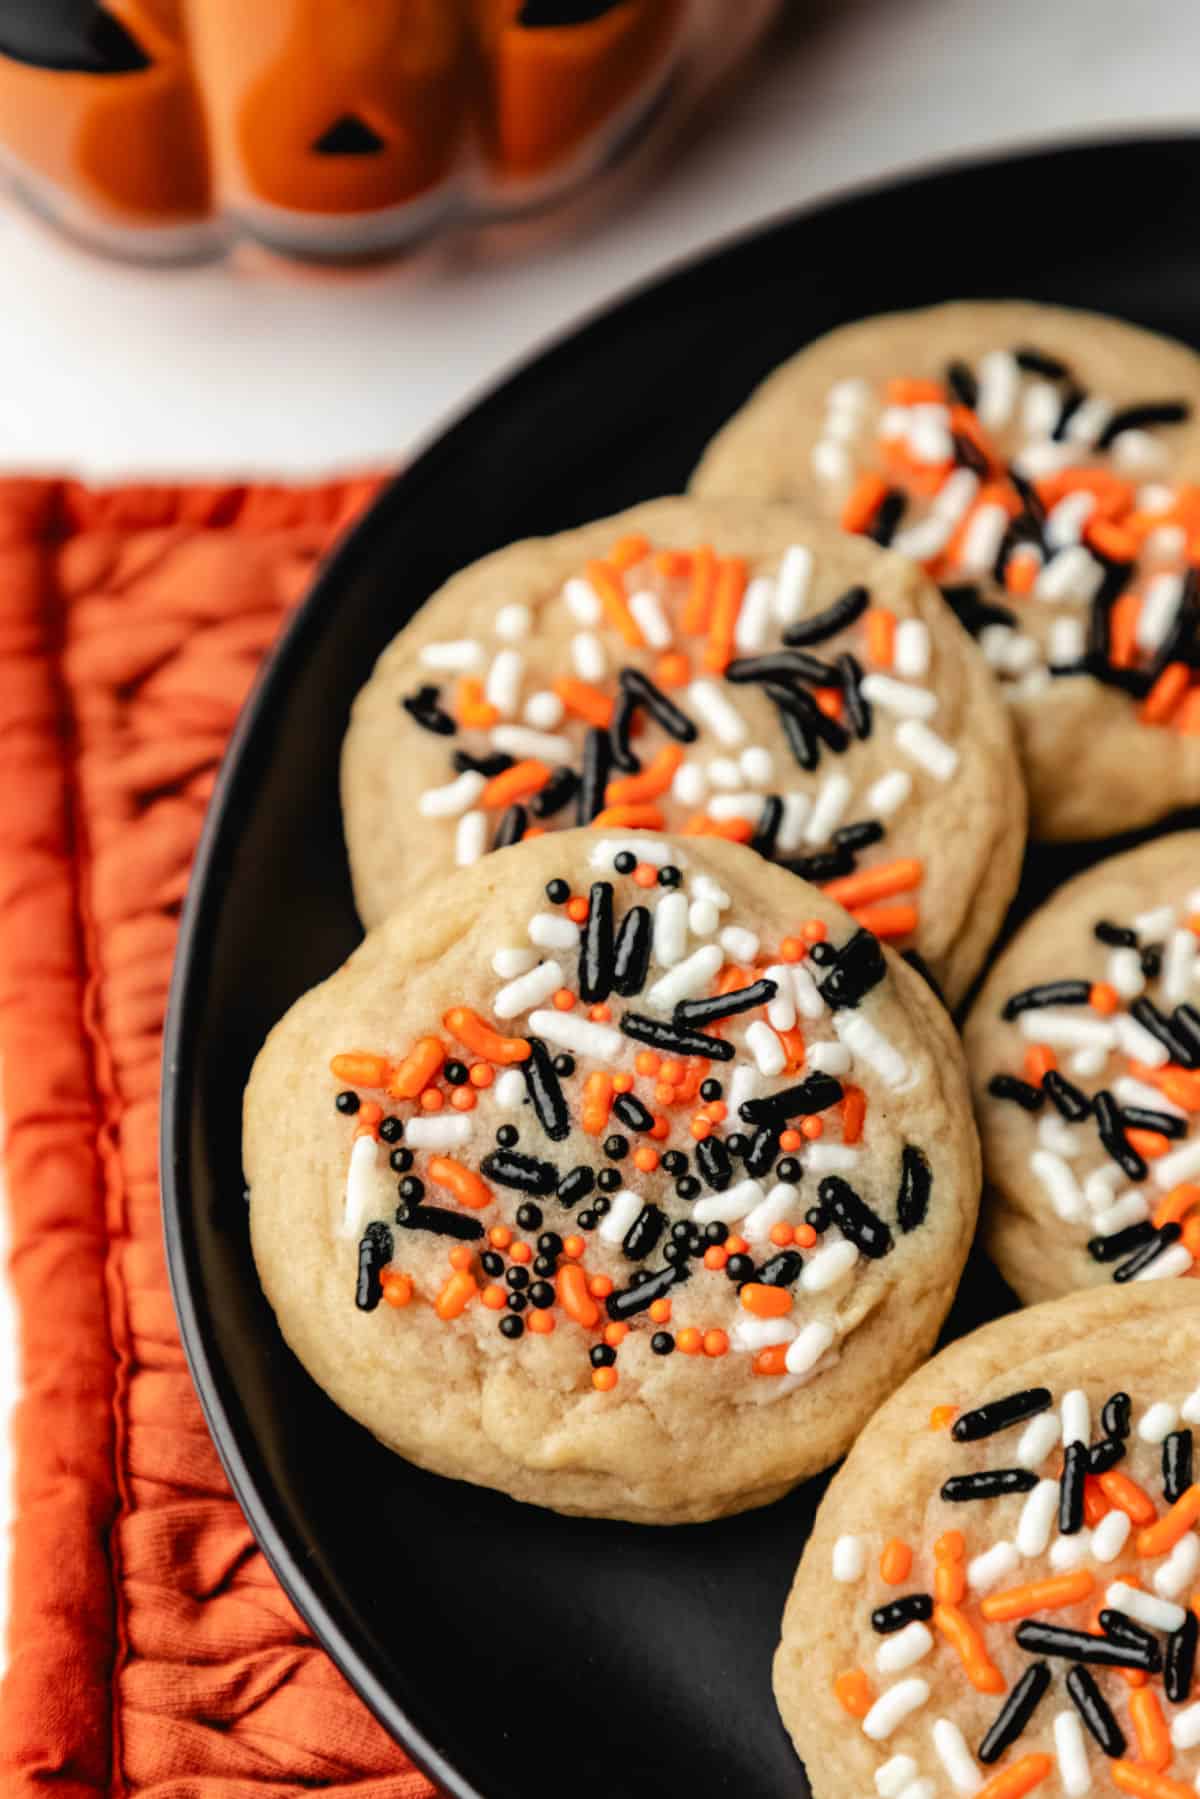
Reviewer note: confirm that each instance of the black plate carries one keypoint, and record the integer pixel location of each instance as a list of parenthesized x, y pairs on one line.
[(513, 1652)]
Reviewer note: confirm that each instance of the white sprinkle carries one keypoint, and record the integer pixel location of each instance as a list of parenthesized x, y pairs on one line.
[(1158, 1421), (892, 1707), (650, 618), (1168, 1266), (550, 930), (1066, 641), (1137, 1042), (1037, 1518), (781, 1011), (912, 646), (1071, 1751), (849, 1559), (829, 1058), (621, 1214), (503, 684), (999, 382), (796, 808), (982, 539), (470, 839), (717, 713), (898, 697), (1189, 1411), (686, 979), (828, 1267), (737, 805), (543, 710), (1023, 655), (1179, 966), (703, 918), (895, 1775), (1100, 1185), (670, 929), (508, 963), (830, 1158), (1185, 1727), (929, 436), (1125, 974), (1180, 1165), (1044, 458), (1155, 497), (729, 1206), (457, 656), (830, 461), (452, 799), (1065, 522), (852, 394), (1040, 409), (1059, 1182), (955, 495), (1110, 1535), (1179, 1569), (513, 622), (744, 1084), (750, 631), (1066, 1029), (1156, 923), (583, 601), (1160, 603), (1035, 685), (904, 1649), (809, 1003), (924, 540), (829, 808), (753, 1334), (528, 990), (643, 848), (889, 793), (780, 1202), (842, 427), (579, 1035), (768, 1052), (689, 785), (869, 1045), (520, 741), (1070, 1552), (956, 1758), (995, 1564), (757, 765), (739, 944), (704, 887), (725, 773), (934, 754), (1072, 574), (1141, 1093), (1088, 421), (1076, 1417), (1145, 1608), (510, 1090), (1137, 453), (792, 583), (1131, 1208), (1037, 1439), (588, 656), (1061, 1138), (1088, 1062), (1166, 543), (437, 1133), (361, 1186)]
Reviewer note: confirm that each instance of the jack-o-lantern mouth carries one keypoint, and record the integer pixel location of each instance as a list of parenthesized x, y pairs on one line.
[(349, 136), (564, 12), (73, 36)]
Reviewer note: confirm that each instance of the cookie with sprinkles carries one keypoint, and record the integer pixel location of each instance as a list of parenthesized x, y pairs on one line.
[(715, 669), (623, 1173), (1084, 1048), (1000, 1593), (1043, 466)]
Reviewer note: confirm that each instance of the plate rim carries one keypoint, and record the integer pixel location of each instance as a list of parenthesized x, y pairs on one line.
[(317, 1602)]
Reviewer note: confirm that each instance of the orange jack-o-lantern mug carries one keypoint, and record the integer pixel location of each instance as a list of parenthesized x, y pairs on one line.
[(169, 128)]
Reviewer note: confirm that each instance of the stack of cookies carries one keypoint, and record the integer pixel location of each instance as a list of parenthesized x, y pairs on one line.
[(631, 1164)]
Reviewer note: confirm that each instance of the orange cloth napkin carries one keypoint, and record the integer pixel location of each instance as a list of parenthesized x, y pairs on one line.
[(152, 1653)]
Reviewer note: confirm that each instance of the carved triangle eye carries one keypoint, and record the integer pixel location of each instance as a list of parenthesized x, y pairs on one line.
[(565, 12), (76, 36), (349, 136)]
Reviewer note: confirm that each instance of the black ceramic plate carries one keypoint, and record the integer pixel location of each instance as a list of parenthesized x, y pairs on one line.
[(514, 1652)]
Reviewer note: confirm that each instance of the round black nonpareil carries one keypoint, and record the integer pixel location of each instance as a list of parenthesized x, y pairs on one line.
[(648, 1650)]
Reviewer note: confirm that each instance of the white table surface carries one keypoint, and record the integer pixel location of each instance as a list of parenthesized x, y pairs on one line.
[(110, 371)]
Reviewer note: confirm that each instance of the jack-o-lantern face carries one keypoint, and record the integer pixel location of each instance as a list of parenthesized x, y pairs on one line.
[(98, 101)]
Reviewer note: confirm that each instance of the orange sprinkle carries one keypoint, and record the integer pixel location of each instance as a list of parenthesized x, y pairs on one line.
[(574, 1246), (1038, 1595), (564, 1000), (397, 1288), (646, 1159), (1175, 1523), (610, 590), (804, 1236), (467, 1187), (716, 1344), (782, 1235), (482, 1075), (432, 1100), (1020, 1778), (737, 1246), (600, 1014), (370, 1115), (1112, 541), (791, 950), (472, 709), (852, 1690), (660, 1311), (463, 1099), (1103, 998), (604, 1379), (735, 830), (494, 1298), (912, 390), (765, 1301), (1166, 694), (420, 1065), (689, 1341), (515, 783), (790, 1140), (1039, 1060), (1187, 719), (881, 636), (629, 550), (890, 878), (647, 1062), (949, 1583), (660, 1130), (359, 1070), (829, 701), (853, 1107), (1144, 1783), (597, 1103), (1128, 1497), (969, 1646), (700, 1128), (456, 1295), (649, 784), (964, 423), (615, 1334), (1122, 631), (814, 930), (887, 922), (895, 1564), (715, 1256), (673, 669), (1151, 1144), (942, 1416), (540, 1324), (1180, 1085), (698, 604), (673, 563), (1191, 1237), (864, 501), (772, 1360), (727, 602), (577, 909), (521, 1252), (646, 875), (584, 701), (630, 818), (573, 1296), (499, 1236), (532, 831), (600, 1286), (1095, 1505), (1150, 1728), (1021, 571), (461, 1256), (951, 1546)]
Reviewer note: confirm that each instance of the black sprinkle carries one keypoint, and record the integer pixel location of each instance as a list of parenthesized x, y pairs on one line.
[(1111, 1249), (631, 955), (973, 613), (764, 1147), (559, 790), (1117, 936), (783, 1270), (846, 610), (858, 708), (597, 760), (1123, 1629), (526, 1173), (859, 836), (1137, 418), (374, 1254), (815, 1093), (1179, 1050), (1072, 400), (801, 740), (1142, 1118), (1000, 1414), (634, 1299), (785, 666), (1080, 1646), (962, 384), (643, 1234), (1015, 1713), (725, 1005), (990, 1483), (883, 526), (857, 967), (1112, 1136), (596, 946), (1047, 993), (824, 865), (624, 755), (897, 1613), (1008, 1086), (1037, 362), (1070, 1101), (493, 764), (662, 710), (1185, 1022), (1179, 1662), (1105, 1454), (511, 828), (916, 1182), (1116, 1419), (1070, 1492), (1176, 1464), (855, 1219), (630, 1110), (1094, 1711), (713, 1161), (969, 455), (1149, 1252), (545, 1093), (767, 828), (674, 1041), (439, 1221), (795, 702), (576, 1184), (423, 708)]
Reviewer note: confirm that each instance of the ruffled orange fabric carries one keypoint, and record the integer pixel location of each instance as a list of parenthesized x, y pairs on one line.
[(151, 1651)]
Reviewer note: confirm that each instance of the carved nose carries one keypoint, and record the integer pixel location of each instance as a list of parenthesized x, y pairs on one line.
[(349, 136)]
